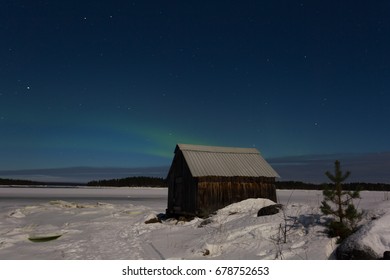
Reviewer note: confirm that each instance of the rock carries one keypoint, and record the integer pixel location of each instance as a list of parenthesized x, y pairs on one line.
[(269, 210), (152, 219), (354, 251), (205, 222), (17, 214), (386, 255), (354, 247), (369, 242)]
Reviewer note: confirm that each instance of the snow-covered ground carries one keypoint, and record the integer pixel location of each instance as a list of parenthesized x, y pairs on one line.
[(110, 224)]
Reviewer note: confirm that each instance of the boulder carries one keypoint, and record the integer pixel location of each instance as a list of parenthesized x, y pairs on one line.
[(269, 210), (349, 249), (152, 219), (370, 241), (364, 244), (386, 255), (205, 222)]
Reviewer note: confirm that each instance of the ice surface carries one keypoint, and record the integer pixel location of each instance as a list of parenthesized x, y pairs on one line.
[(94, 227)]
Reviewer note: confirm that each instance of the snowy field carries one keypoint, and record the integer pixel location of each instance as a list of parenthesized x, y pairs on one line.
[(109, 223)]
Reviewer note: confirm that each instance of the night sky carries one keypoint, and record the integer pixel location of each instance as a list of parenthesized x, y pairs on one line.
[(119, 83)]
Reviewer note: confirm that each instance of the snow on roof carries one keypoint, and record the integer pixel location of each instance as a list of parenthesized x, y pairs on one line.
[(225, 161)]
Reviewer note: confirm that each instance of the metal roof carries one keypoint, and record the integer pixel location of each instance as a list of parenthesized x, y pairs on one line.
[(225, 161)]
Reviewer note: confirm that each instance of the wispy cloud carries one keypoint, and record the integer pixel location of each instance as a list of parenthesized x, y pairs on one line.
[(372, 167)]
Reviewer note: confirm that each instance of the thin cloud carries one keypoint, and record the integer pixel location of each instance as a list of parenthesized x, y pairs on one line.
[(370, 168)]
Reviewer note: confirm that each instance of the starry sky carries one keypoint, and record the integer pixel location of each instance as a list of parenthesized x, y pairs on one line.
[(118, 83)]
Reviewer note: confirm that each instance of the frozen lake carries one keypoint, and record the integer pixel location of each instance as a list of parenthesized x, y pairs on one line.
[(109, 223), (155, 198), (21, 196)]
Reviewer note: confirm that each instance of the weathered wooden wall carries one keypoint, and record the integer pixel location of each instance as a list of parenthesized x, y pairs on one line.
[(217, 192), (181, 187)]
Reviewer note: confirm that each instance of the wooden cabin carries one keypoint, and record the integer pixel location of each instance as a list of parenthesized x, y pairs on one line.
[(203, 179)]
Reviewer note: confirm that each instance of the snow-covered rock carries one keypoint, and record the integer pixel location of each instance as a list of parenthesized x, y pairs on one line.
[(369, 242)]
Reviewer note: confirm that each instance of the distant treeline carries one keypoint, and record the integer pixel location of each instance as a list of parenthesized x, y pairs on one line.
[(17, 182), (160, 182), (289, 185), (131, 182)]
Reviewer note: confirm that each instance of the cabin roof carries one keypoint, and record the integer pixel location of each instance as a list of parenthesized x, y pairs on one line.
[(225, 161)]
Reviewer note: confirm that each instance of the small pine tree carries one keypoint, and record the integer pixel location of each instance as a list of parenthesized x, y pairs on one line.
[(339, 203)]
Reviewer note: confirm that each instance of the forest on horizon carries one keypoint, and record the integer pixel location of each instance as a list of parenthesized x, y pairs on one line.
[(144, 181)]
